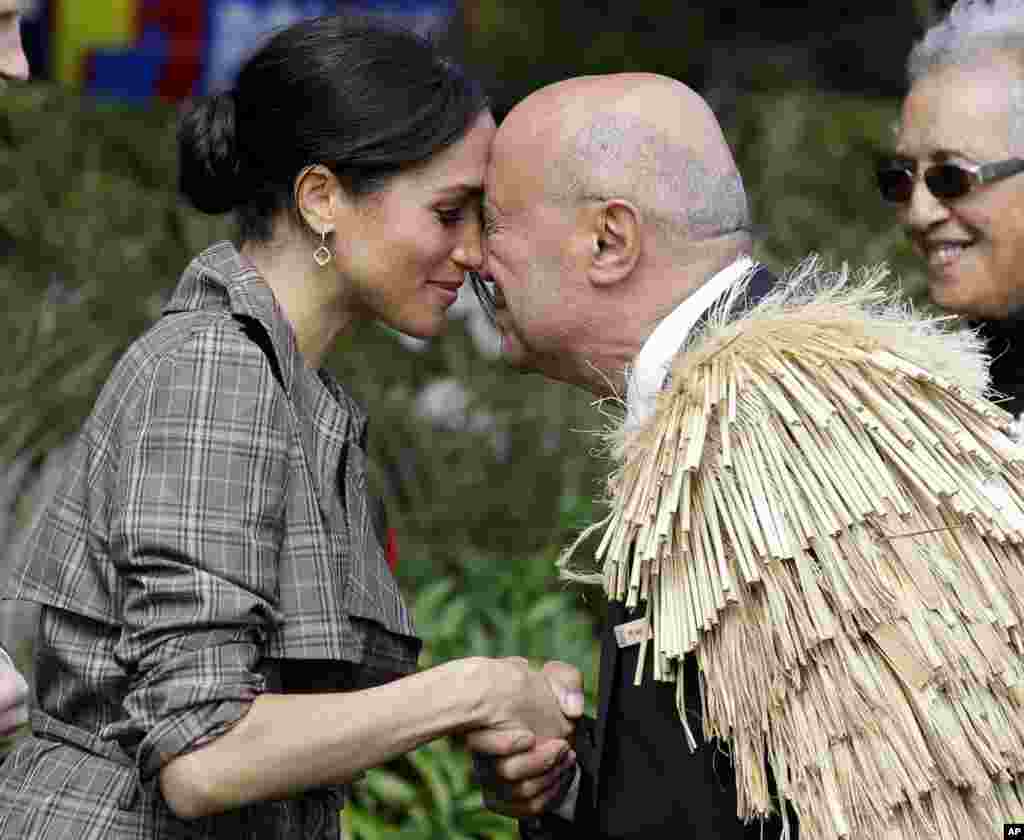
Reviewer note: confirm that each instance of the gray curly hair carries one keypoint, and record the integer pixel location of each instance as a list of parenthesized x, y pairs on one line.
[(970, 30)]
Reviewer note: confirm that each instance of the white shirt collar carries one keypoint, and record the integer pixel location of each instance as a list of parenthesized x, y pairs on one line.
[(654, 360)]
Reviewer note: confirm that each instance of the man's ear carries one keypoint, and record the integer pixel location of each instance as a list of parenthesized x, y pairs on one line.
[(615, 242), (317, 198)]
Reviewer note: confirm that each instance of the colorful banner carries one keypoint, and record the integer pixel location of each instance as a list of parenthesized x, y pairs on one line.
[(172, 49), (84, 25)]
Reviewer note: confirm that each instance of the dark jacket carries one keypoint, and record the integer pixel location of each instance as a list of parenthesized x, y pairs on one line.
[(1006, 347)]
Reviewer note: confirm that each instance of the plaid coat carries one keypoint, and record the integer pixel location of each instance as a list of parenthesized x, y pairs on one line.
[(212, 529)]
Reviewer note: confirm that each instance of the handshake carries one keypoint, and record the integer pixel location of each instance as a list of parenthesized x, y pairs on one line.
[(524, 760)]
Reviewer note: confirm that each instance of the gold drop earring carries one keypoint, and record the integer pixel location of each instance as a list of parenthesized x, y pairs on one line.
[(322, 255)]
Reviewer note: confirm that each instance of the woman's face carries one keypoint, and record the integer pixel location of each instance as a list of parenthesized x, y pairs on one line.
[(403, 252), (973, 245)]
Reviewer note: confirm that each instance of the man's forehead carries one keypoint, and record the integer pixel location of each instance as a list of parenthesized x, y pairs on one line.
[(514, 174), (8, 6)]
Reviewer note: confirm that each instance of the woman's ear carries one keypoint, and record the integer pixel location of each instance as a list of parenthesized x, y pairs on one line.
[(317, 198), (615, 242)]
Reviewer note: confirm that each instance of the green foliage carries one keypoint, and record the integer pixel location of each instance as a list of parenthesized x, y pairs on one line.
[(426, 795), (808, 164), (534, 42), (501, 608), (95, 234), (495, 608)]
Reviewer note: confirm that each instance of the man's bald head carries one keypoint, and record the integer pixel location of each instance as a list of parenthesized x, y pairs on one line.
[(641, 137), (609, 200)]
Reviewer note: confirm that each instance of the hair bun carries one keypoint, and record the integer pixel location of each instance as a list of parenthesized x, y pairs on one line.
[(208, 164)]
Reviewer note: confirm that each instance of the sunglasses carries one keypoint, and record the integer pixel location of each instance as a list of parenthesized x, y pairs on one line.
[(946, 181)]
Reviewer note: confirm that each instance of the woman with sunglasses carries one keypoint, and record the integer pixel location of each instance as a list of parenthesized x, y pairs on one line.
[(957, 179), (222, 647)]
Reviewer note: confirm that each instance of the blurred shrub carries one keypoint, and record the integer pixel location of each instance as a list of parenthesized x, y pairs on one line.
[(93, 238), (429, 795), (532, 42), (499, 607)]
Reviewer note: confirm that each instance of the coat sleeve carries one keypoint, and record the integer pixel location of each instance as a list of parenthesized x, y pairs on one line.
[(195, 534)]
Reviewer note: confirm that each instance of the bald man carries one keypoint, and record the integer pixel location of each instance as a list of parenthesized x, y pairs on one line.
[(614, 218), (13, 65)]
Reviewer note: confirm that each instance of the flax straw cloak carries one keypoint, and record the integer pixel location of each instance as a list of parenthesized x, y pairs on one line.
[(827, 510)]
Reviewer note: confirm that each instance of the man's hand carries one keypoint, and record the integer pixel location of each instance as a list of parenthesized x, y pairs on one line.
[(13, 697), (523, 775)]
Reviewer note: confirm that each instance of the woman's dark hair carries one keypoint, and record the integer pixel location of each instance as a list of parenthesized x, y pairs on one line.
[(366, 99)]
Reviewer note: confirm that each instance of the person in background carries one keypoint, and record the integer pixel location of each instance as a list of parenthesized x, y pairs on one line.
[(956, 179), (13, 66), (13, 63), (222, 646)]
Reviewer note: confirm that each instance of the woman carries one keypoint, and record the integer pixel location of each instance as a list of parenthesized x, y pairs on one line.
[(956, 178), (221, 640)]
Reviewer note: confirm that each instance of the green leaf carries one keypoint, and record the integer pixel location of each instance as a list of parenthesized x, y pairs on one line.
[(363, 826), (431, 598), (453, 618), (548, 608), (429, 768), (391, 789)]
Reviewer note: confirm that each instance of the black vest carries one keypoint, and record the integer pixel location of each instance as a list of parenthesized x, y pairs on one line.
[(1005, 344)]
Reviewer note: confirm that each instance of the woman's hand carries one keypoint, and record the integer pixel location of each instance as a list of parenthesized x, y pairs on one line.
[(13, 697)]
